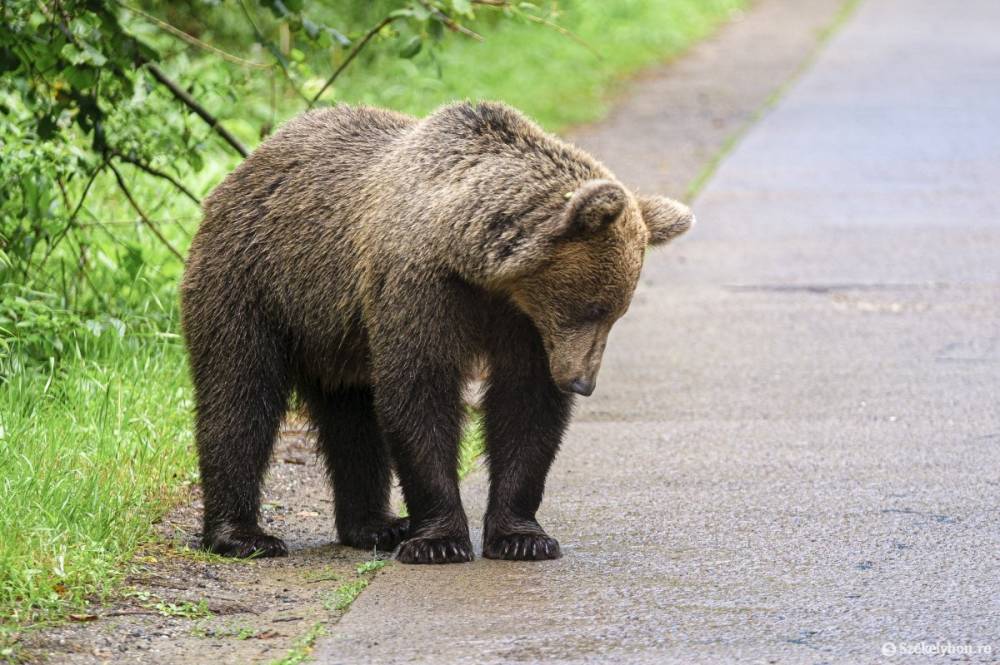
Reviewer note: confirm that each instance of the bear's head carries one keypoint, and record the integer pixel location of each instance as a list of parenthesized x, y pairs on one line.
[(584, 279)]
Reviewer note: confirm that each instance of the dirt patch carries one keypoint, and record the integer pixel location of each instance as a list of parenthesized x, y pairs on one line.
[(181, 606)]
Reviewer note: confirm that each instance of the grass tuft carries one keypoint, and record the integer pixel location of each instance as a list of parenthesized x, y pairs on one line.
[(303, 646), (91, 452)]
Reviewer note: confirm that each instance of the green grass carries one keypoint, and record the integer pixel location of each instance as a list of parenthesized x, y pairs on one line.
[(557, 79), (341, 598), (184, 609), (548, 75), (303, 646), (336, 602), (473, 444), (95, 425), (90, 454), (345, 594)]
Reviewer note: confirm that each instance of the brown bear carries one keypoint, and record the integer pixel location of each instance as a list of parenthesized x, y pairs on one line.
[(369, 260)]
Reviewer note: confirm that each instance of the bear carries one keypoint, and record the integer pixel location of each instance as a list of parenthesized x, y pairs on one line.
[(369, 261)]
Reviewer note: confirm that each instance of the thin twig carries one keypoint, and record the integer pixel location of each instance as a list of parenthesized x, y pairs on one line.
[(135, 206), (449, 22), (72, 217), (173, 221), (183, 96), (85, 275), (139, 164), (264, 40), (350, 56), (566, 32), (191, 39)]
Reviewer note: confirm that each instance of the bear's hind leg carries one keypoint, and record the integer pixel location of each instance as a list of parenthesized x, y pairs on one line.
[(241, 394), (360, 468)]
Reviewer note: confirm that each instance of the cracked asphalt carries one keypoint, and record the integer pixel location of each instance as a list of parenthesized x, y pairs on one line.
[(793, 455)]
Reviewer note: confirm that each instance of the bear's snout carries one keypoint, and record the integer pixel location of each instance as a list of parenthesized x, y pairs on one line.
[(581, 386)]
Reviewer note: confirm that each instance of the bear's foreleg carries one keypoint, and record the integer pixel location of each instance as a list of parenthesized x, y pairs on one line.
[(422, 422), (420, 331), (359, 465), (525, 416)]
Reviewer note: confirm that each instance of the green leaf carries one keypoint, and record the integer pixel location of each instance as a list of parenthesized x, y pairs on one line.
[(85, 55), (411, 47), (436, 29), (416, 10), (80, 76), (8, 60), (463, 7)]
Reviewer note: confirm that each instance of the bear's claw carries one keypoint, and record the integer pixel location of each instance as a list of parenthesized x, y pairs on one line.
[(383, 535), (244, 543), (522, 547), (435, 550)]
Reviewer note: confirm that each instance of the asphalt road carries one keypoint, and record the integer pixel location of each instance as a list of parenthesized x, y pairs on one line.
[(793, 454)]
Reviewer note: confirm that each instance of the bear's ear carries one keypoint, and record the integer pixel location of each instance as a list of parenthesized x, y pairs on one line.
[(665, 218), (594, 205)]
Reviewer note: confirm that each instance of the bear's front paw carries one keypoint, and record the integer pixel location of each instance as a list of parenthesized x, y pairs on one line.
[(382, 534), (243, 543), (522, 547), (435, 550)]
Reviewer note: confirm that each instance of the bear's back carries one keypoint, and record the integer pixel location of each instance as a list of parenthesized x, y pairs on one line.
[(314, 160)]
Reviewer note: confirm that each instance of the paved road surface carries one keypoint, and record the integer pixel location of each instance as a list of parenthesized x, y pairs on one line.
[(794, 451)]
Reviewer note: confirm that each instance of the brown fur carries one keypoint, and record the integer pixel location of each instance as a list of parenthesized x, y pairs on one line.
[(367, 260)]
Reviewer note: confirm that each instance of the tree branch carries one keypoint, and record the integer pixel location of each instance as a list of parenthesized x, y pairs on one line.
[(71, 221), (191, 39), (350, 56), (184, 97), (275, 51), (565, 32), (449, 22), (145, 220), (143, 166)]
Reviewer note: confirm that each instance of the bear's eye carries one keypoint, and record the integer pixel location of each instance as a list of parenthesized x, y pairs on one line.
[(596, 313)]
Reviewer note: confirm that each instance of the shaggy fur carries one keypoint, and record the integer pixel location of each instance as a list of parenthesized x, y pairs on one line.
[(368, 261)]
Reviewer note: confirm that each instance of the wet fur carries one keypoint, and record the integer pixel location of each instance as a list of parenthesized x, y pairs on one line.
[(369, 261)]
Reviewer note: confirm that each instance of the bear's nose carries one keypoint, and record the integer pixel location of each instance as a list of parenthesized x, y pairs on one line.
[(582, 387)]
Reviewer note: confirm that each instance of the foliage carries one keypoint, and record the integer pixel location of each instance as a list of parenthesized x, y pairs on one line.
[(97, 89)]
